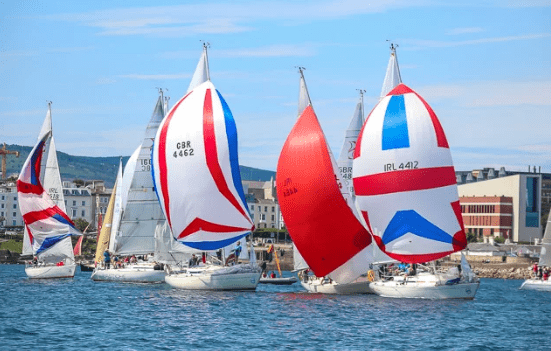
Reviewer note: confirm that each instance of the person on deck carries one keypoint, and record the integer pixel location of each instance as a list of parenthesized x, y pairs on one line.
[(237, 251), (535, 269), (272, 275), (545, 275), (193, 261), (107, 259)]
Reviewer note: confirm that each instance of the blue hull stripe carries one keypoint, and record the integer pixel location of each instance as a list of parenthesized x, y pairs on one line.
[(410, 221), (395, 126)]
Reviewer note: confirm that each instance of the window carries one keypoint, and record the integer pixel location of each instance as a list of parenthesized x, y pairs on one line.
[(14, 222), (2, 214), (3, 198), (83, 203), (252, 207), (273, 218), (83, 214), (265, 208), (273, 209), (14, 205), (259, 208), (15, 214), (74, 202), (74, 213), (2, 205), (15, 198), (65, 202)]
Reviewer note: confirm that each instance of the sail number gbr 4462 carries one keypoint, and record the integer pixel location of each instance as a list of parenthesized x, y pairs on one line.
[(404, 165), (183, 149)]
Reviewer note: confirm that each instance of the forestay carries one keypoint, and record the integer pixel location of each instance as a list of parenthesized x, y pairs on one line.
[(324, 228), (405, 180), (196, 168)]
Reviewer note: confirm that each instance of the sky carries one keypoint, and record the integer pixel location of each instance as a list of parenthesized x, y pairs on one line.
[(483, 65)]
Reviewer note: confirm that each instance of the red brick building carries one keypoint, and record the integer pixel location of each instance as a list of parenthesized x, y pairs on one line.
[(487, 216)]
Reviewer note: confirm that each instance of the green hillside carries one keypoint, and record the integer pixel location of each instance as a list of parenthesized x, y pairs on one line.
[(102, 168)]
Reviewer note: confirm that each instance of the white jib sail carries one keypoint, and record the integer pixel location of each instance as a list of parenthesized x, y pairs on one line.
[(117, 208)]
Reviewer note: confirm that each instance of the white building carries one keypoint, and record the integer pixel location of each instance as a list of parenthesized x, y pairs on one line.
[(9, 207)]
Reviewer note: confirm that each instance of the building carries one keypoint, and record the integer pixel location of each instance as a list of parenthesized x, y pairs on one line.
[(487, 204), (487, 216), (9, 206), (262, 202), (78, 202)]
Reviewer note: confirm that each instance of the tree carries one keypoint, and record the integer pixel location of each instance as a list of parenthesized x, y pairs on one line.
[(471, 237), (78, 182), (81, 224)]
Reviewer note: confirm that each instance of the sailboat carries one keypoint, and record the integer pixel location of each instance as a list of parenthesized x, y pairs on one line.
[(406, 190), (317, 208), (545, 261), (136, 213), (197, 179), (48, 229)]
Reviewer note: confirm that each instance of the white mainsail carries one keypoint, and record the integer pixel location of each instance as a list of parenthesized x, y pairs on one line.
[(142, 211), (392, 76), (346, 156)]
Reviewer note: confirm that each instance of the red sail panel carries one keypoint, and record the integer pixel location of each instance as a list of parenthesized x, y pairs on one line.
[(322, 226)]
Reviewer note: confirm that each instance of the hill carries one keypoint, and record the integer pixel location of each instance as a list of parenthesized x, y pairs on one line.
[(102, 168)]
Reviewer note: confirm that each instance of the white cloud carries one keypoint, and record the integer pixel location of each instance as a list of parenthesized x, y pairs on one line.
[(209, 18), (421, 44), (467, 30), (491, 93), (276, 50), (103, 81), (157, 76)]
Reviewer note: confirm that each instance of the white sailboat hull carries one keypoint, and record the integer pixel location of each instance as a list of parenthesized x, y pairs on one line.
[(533, 284), (424, 287), (359, 286), (223, 278), (130, 274), (51, 271)]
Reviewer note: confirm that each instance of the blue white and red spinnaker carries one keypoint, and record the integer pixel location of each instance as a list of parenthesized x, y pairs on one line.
[(46, 223), (405, 181), (196, 172)]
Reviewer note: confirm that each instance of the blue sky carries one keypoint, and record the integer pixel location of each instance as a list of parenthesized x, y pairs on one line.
[(484, 66)]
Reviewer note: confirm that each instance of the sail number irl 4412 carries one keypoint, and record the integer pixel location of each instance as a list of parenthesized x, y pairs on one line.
[(403, 165), (183, 149)]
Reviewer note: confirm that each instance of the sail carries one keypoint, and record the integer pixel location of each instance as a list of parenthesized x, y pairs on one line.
[(128, 175), (136, 233), (201, 73), (104, 237), (49, 174), (196, 171), (323, 227), (78, 247), (298, 261), (117, 207), (48, 226), (545, 254), (346, 156), (392, 76), (405, 182), (168, 250)]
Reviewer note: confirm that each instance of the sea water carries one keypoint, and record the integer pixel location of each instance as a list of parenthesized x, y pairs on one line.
[(74, 314)]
